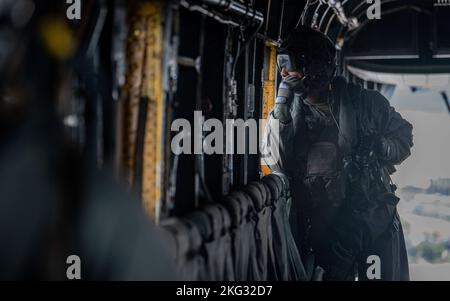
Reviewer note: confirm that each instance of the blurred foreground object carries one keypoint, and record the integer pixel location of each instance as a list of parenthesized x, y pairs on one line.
[(54, 201)]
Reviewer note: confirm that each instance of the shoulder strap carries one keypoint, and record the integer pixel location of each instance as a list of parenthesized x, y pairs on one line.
[(347, 95)]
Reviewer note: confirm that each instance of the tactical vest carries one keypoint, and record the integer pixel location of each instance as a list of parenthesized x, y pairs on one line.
[(329, 143), (323, 159)]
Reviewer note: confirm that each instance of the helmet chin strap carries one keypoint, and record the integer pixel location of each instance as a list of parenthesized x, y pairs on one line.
[(308, 91)]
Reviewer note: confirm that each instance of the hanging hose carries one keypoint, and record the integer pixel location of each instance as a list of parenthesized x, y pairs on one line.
[(200, 159), (280, 29), (241, 49)]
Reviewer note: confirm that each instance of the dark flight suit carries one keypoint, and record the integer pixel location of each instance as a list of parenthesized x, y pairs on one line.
[(344, 207)]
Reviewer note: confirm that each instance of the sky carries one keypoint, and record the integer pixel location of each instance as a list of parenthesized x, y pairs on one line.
[(430, 158)]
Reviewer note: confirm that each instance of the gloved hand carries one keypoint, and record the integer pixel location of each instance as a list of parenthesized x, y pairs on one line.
[(371, 144), (288, 87)]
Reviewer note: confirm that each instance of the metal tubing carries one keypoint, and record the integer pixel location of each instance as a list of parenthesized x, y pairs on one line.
[(237, 8)]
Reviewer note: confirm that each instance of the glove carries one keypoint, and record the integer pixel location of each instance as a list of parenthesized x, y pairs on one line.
[(288, 87), (371, 144)]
